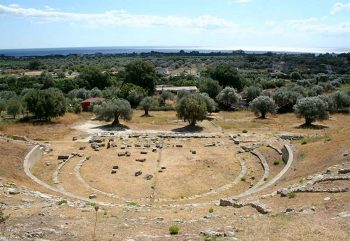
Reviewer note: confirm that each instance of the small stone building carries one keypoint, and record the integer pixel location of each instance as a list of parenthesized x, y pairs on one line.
[(87, 104)]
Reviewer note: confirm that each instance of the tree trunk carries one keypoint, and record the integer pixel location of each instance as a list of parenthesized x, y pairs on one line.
[(116, 121), (146, 112), (308, 121), (193, 122), (263, 115)]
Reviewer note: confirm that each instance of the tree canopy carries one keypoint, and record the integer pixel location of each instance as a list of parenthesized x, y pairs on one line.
[(141, 73), (263, 105), (192, 108), (113, 109), (46, 104), (147, 103), (227, 75), (312, 109), (228, 97)]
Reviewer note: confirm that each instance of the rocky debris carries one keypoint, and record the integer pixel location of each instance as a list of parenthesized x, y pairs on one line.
[(138, 172), (216, 233), (334, 173), (63, 157), (140, 159), (114, 171), (346, 153), (193, 152), (127, 153), (251, 147), (148, 177), (178, 145), (210, 144), (344, 171), (291, 137), (144, 152), (154, 149), (82, 148), (96, 139), (115, 167), (92, 196), (236, 203), (260, 207), (345, 214), (236, 141), (122, 147), (121, 154), (307, 210), (74, 138), (13, 191)]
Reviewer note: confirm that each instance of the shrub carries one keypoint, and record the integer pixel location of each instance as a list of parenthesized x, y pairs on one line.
[(211, 210), (263, 105), (243, 179), (312, 109), (244, 131), (173, 230), (304, 142), (276, 162), (291, 195), (61, 202), (228, 97)]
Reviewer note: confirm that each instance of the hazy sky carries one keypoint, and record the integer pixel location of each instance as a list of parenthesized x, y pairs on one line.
[(221, 24)]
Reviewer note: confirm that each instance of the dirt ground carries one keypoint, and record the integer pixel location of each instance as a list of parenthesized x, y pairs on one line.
[(186, 193)]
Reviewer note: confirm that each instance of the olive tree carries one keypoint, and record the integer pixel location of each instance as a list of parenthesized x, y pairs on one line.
[(14, 106), (312, 109), (147, 103), (192, 108), (211, 104), (113, 110), (47, 104), (209, 86), (228, 97), (263, 105), (251, 93), (286, 99), (341, 99), (2, 105)]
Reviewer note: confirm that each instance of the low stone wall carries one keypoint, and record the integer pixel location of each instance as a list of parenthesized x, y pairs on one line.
[(287, 153)]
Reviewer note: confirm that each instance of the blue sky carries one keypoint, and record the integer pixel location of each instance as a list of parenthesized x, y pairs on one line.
[(217, 24)]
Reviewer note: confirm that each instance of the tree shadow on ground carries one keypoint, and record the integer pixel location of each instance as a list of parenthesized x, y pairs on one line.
[(188, 128), (110, 127), (146, 115), (312, 126)]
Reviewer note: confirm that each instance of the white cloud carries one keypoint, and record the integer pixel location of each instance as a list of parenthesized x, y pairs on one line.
[(317, 25), (337, 7), (118, 18)]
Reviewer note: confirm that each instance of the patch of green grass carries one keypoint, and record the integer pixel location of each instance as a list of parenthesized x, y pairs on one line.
[(291, 195), (304, 142), (210, 238), (276, 162), (133, 204), (61, 202), (91, 204), (173, 230), (211, 210)]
